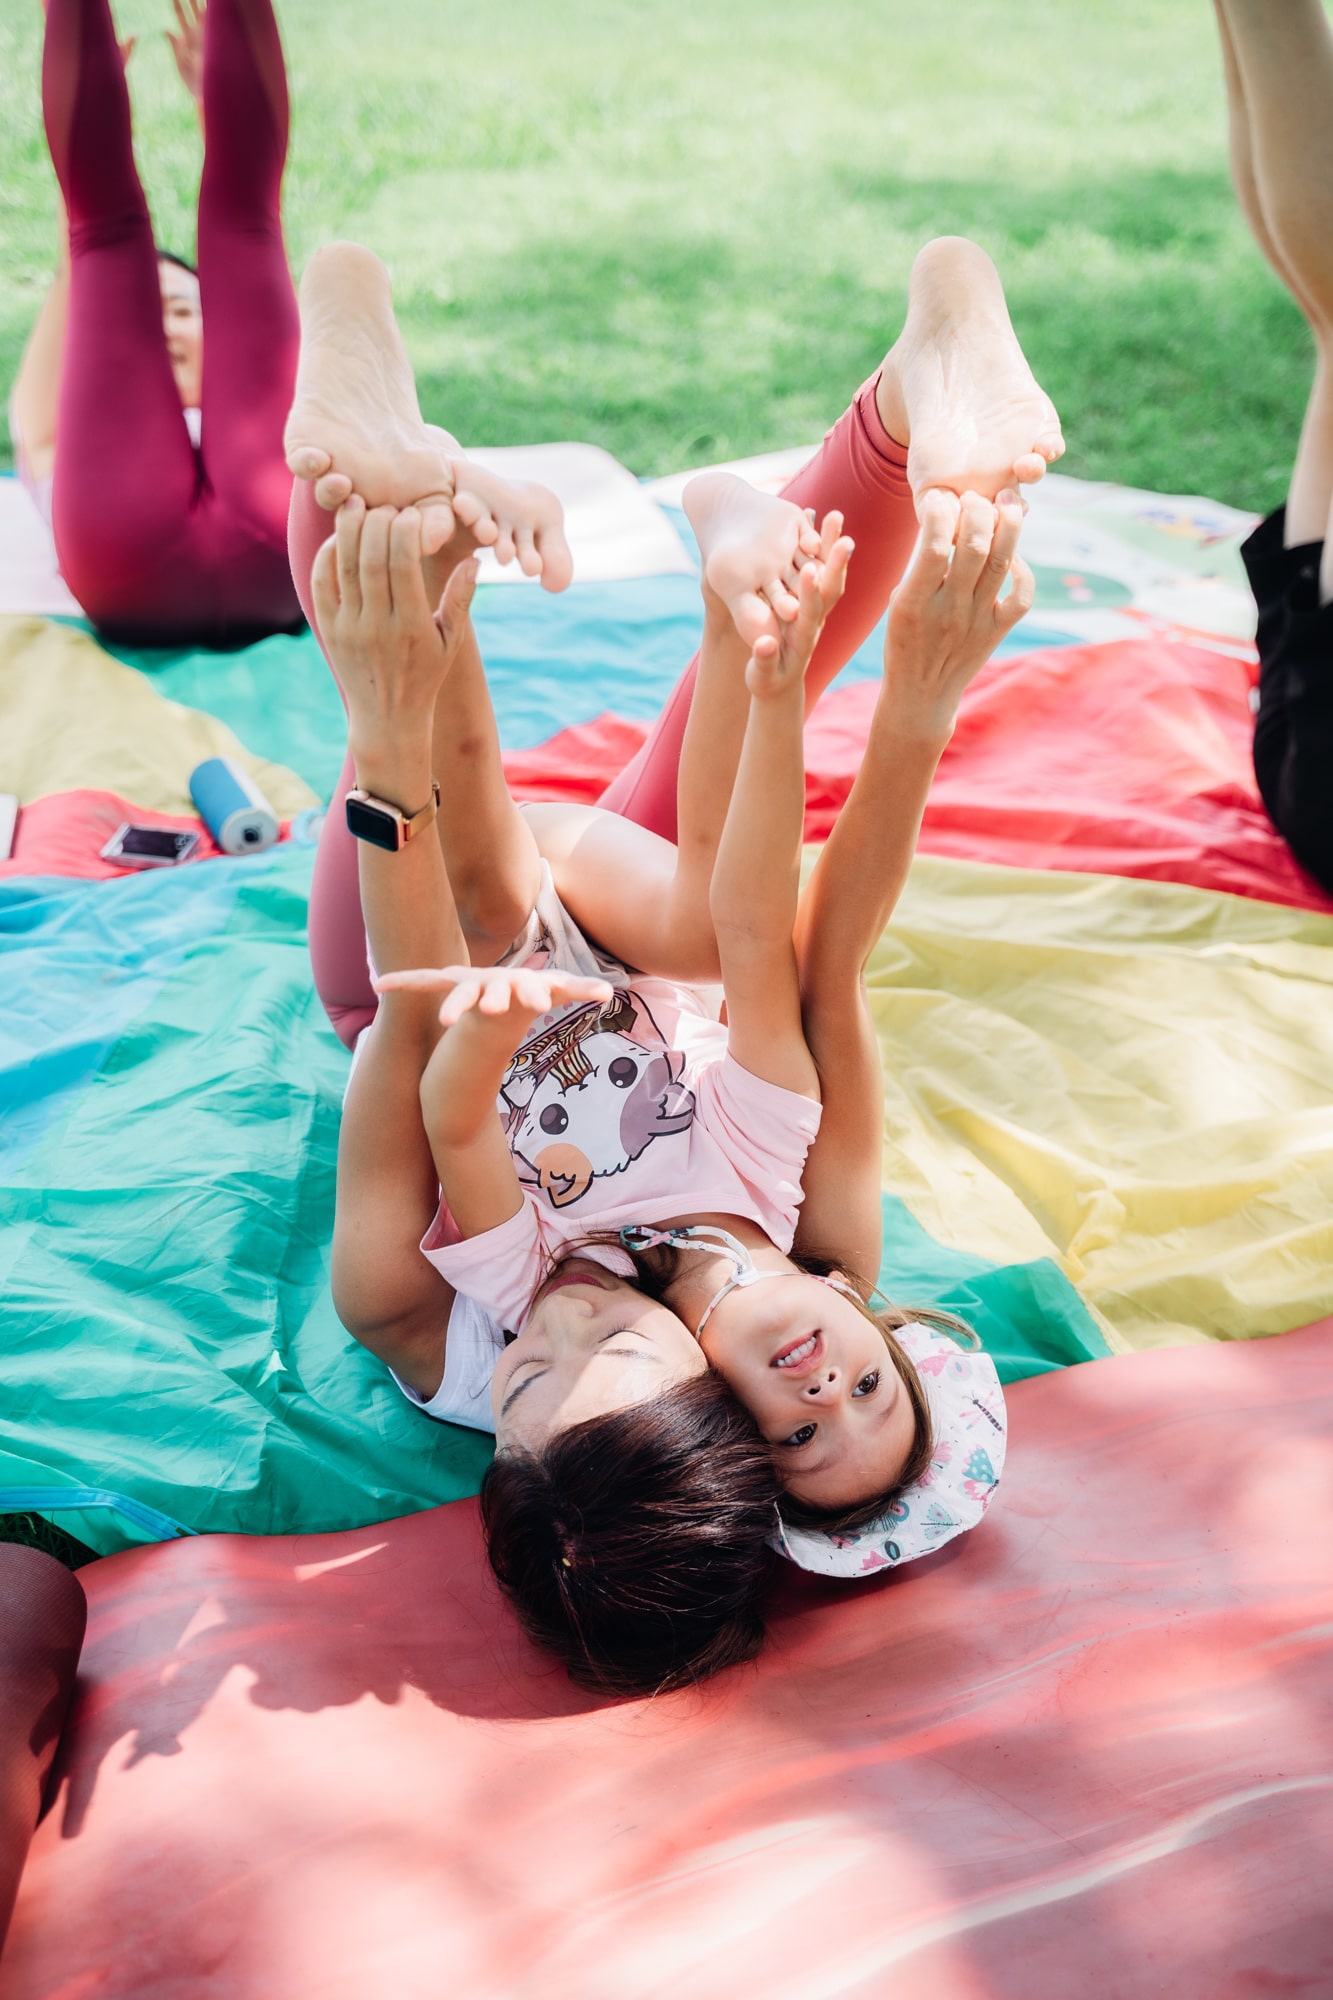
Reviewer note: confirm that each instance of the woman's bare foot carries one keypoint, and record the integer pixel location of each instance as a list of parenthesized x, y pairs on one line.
[(753, 548), (355, 423), (955, 388)]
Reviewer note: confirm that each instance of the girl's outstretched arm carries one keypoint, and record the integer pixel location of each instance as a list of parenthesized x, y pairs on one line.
[(487, 1012), (756, 877), (945, 620)]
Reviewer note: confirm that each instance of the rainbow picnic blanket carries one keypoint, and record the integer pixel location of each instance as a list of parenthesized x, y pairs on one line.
[(1103, 1004)]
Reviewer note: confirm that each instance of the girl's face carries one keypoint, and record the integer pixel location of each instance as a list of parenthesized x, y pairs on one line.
[(818, 1379), (183, 325), (591, 1344)]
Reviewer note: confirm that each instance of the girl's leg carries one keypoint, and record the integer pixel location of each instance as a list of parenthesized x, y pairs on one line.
[(252, 333), (125, 469), (860, 471)]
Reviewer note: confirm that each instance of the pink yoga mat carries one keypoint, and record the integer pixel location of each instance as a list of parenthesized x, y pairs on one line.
[(1087, 1751)]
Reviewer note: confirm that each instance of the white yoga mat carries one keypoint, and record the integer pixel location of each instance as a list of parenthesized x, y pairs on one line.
[(615, 529)]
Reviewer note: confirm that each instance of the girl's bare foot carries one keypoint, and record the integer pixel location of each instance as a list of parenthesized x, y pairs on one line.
[(355, 423), (753, 548), (955, 388), (777, 664)]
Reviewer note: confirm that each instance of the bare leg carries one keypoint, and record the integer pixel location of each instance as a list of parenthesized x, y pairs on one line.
[(489, 849), (643, 899), (1279, 65)]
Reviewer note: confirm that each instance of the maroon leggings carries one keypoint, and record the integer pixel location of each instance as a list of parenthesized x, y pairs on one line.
[(163, 545), (858, 468)]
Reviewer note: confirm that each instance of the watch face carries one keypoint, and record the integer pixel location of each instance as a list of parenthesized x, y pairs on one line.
[(373, 824)]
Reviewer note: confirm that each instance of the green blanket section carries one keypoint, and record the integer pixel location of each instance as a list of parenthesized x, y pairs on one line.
[(1029, 1318), (164, 1258)]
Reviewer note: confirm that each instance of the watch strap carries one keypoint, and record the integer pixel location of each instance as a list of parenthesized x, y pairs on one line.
[(405, 825)]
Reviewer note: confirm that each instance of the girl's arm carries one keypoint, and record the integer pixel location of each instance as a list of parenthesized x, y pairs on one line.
[(756, 878), (945, 620), (486, 1015)]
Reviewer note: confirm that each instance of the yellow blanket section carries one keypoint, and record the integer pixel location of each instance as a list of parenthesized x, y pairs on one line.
[(1132, 1078), (71, 717)]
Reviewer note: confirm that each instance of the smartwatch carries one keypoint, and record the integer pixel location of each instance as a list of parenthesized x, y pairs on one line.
[(386, 825)]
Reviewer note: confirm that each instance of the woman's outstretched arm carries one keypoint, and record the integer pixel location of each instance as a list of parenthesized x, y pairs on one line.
[(945, 620), (391, 657)]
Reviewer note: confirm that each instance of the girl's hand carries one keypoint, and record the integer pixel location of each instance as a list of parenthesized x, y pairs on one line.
[(778, 664), (188, 46), (947, 615), (390, 652), (500, 992)]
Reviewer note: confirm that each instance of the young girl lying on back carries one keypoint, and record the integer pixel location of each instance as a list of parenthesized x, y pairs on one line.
[(806, 1355)]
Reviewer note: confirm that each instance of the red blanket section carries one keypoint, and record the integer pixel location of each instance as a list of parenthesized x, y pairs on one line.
[(1131, 758), (64, 833), (1084, 1751)]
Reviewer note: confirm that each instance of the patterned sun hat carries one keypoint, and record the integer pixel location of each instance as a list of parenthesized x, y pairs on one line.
[(969, 1423)]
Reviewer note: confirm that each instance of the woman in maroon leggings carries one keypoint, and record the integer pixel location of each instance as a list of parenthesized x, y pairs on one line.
[(171, 528)]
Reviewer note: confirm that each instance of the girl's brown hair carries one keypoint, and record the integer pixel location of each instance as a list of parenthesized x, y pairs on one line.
[(635, 1545), (656, 1270)]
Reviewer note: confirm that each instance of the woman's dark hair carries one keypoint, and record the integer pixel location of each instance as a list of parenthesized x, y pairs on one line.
[(170, 257), (635, 1545)]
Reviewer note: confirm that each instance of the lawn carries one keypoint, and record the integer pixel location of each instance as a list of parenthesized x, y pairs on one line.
[(683, 232)]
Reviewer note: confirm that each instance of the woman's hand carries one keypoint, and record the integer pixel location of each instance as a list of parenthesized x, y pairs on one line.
[(188, 46), (947, 615), (516, 995), (389, 650)]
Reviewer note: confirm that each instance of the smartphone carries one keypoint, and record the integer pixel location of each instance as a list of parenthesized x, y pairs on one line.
[(149, 846), (9, 812)]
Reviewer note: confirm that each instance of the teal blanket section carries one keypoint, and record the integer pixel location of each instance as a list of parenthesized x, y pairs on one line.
[(168, 1332), (552, 662), (82, 959), (1028, 1317)]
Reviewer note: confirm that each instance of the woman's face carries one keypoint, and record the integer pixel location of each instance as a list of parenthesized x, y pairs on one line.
[(818, 1379), (591, 1344), (183, 325)]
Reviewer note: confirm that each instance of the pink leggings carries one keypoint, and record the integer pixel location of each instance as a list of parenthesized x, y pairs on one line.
[(162, 545), (858, 468)]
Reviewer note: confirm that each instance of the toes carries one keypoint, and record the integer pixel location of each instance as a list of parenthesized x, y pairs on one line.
[(332, 490), (557, 562), (783, 602), (307, 461), (753, 616), (1030, 467), (528, 559), (437, 524)]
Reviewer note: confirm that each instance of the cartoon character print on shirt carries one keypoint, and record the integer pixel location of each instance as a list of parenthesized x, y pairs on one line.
[(587, 1095)]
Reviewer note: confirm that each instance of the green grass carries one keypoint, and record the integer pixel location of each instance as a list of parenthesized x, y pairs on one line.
[(683, 231)]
